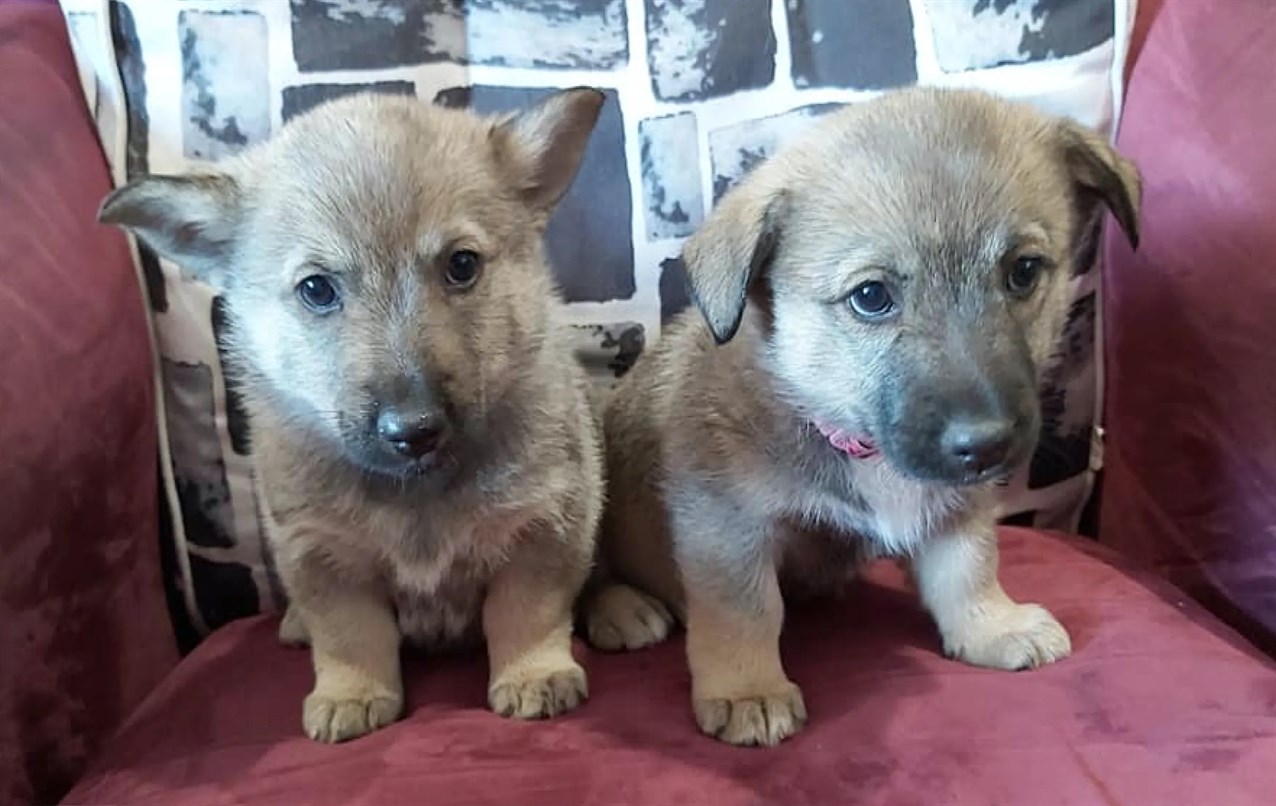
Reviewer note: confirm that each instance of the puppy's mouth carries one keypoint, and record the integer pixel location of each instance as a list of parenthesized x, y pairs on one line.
[(861, 445), (854, 445), (932, 469), (378, 459), (431, 469), (412, 468), (999, 476)]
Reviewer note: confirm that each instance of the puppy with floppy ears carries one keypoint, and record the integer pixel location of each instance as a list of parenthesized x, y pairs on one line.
[(428, 465), (882, 299)]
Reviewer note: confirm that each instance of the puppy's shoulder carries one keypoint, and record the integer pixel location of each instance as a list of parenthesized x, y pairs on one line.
[(558, 458), (683, 363)]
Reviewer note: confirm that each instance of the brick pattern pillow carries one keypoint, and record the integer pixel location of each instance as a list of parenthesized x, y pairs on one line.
[(698, 92)]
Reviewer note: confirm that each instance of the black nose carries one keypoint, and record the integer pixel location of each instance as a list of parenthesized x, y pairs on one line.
[(412, 432), (979, 444)]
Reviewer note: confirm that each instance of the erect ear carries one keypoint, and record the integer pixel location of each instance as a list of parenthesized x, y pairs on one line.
[(544, 143), (1100, 172), (191, 220), (732, 251)]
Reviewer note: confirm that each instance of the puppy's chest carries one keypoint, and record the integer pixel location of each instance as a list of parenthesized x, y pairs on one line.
[(439, 573), (441, 606), (868, 500)]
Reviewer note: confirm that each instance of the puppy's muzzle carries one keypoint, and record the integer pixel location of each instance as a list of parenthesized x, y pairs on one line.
[(413, 431), (963, 433), (410, 423), (978, 444)]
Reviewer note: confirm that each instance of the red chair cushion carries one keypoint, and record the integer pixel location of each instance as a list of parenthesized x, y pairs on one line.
[(1160, 705)]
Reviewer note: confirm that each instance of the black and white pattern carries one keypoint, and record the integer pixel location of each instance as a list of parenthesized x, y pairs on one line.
[(373, 34), (1066, 432), (700, 49), (202, 490), (609, 351), (302, 98), (225, 84), (734, 150), (674, 296), (698, 92), (672, 199), (1015, 31), (822, 32)]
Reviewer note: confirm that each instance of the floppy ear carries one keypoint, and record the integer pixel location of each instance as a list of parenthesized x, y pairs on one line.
[(191, 220), (1101, 172), (545, 143), (727, 255)]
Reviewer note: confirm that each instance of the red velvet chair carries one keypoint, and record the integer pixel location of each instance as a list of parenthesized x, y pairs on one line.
[(1161, 703)]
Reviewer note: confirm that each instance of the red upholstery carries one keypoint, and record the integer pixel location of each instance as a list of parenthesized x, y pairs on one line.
[(1158, 707), (84, 632), (1190, 485)]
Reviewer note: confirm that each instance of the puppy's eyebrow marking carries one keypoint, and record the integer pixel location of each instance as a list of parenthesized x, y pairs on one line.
[(1036, 234), (437, 244), (1036, 230), (308, 258), (841, 286)]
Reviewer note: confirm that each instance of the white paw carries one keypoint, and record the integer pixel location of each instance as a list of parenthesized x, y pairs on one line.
[(763, 718), (539, 694), (621, 617), (1013, 636), (338, 718)]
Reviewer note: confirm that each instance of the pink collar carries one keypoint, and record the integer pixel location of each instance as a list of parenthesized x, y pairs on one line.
[(851, 446)]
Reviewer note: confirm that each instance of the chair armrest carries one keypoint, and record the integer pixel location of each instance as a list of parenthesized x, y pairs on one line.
[(84, 632)]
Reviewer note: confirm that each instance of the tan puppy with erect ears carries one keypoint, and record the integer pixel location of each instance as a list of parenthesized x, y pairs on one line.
[(428, 465), (881, 300)]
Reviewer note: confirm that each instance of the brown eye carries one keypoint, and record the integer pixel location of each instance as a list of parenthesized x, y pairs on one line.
[(1024, 275), (462, 269)]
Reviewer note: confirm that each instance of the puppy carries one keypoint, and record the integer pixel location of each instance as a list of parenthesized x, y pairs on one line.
[(881, 301), (428, 465)]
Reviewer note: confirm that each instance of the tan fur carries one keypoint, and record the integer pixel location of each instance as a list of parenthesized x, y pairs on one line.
[(380, 192), (721, 491)]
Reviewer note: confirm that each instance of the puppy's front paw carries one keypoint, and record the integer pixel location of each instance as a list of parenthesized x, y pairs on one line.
[(538, 693), (621, 617), (329, 718), (1012, 637), (766, 718)]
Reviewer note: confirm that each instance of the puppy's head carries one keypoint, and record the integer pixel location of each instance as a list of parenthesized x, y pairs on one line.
[(914, 256), (382, 260)]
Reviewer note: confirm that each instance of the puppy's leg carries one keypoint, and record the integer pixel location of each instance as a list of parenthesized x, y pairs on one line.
[(735, 612), (739, 690), (957, 577), (292, 632), (527, 621), (354, 640)]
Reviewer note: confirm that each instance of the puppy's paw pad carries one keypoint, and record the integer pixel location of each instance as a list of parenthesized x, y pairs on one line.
[(291, 631), (766, 719), (538, 695), (1021, 636), (337, 719), (621, 617)]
